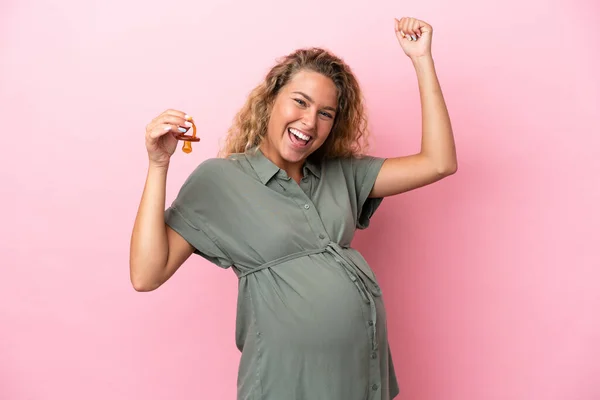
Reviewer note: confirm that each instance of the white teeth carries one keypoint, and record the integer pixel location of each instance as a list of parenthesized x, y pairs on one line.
[(299, 134)]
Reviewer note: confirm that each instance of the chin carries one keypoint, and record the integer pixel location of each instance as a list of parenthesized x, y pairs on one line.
[(292, 156)]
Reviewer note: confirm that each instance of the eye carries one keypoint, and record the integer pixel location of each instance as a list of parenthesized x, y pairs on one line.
[(301, 102), (326, 114)]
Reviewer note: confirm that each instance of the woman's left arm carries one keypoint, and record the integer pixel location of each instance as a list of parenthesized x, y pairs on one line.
[(437, 158)]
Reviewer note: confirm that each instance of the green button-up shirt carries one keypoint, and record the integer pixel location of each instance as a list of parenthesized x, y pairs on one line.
[(310, 322)]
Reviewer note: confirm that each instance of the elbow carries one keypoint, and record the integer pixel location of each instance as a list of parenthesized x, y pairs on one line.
[(442, 167), (140, 282), (452, 170), (447, 170), (142, 286)]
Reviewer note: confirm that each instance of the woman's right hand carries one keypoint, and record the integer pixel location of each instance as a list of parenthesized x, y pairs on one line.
[(160, 135)]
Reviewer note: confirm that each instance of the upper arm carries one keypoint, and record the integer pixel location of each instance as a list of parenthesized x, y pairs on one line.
[(179, 251), (401, 174)]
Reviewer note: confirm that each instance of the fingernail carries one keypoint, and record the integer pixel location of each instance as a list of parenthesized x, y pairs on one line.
[(188, 124), (189, 118), (414, 37), (402, 33), (167, 127), (182, 129)]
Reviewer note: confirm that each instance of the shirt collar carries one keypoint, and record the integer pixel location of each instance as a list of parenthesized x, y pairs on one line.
[(266, 169), (313, 167)]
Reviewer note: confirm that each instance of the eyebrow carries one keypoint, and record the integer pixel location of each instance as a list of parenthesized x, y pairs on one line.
[(307, 97)]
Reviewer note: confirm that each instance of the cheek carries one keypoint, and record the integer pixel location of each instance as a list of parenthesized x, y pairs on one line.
[(325, 129), (281, 117), (289, 114), (275, 120)]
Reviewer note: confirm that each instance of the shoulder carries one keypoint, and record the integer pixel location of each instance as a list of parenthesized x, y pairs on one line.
[(216, 168), (212, 173)]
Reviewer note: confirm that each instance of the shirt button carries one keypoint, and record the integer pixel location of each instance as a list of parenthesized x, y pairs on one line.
[(306, 206), (373, 355), (321, 236), (374, 387), (370, 323)]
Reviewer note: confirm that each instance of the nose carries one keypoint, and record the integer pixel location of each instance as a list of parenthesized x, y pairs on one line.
[(309, 119)]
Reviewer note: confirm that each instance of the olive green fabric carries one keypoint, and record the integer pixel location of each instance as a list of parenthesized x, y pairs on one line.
[(311, 323)]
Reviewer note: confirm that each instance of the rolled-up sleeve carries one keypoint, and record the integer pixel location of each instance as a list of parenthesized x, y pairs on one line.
[(189, 214), (365, 171)]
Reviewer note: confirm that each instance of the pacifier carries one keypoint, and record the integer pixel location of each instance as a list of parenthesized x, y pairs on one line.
[(188, 139)]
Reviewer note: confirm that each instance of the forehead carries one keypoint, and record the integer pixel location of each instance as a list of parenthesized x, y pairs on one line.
[(317, 86)]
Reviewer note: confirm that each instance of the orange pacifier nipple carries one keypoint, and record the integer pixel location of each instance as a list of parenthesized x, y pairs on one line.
[(188, 139)]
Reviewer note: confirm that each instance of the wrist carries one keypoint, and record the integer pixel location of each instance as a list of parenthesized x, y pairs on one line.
[(158, 167), (425, 59), (423, 65)]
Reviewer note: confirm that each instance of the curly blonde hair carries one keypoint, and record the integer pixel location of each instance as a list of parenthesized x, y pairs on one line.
[(349, 133)]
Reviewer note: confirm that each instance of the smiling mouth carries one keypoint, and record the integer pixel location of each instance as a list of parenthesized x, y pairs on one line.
[(298, 138)]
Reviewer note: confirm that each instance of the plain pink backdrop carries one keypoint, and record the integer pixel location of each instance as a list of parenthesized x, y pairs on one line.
[(491, 277)]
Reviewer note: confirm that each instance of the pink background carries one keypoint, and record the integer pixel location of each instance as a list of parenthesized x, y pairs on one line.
[(490, 276)]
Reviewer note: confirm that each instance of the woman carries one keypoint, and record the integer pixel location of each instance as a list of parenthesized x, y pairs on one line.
[(280, 208)]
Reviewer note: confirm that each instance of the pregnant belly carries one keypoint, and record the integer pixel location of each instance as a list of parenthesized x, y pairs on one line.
[(309, 305)]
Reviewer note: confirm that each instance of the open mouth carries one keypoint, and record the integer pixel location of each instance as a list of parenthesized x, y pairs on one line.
[(298, 138)]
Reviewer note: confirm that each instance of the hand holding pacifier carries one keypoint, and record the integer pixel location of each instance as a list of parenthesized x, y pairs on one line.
[(163, 132)]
